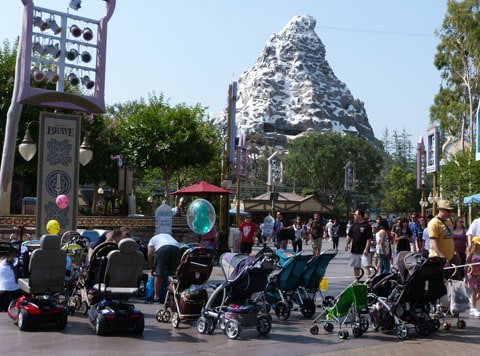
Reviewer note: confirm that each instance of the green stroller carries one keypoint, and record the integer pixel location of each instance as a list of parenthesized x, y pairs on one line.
[(347, 309)]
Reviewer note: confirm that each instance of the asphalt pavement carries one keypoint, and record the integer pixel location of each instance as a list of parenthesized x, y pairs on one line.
[(290, 337)]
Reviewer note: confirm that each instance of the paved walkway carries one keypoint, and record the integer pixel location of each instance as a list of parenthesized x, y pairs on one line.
[(291, 337)]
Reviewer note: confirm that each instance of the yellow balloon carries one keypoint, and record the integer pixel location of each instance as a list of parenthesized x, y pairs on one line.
[(53, 227)]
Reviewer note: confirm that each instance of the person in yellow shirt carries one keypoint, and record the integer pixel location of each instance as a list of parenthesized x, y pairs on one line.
[(440, 232)]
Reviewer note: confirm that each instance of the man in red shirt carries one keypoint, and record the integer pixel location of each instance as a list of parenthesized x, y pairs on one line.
[(248, 229)]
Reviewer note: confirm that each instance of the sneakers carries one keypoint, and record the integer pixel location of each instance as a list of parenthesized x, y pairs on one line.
[(474, 312)]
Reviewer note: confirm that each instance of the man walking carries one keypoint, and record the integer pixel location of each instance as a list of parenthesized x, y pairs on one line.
[(359, 237), (317, 233)]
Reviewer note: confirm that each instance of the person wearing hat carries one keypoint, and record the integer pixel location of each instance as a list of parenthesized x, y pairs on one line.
[(473, 274), (440, 233)]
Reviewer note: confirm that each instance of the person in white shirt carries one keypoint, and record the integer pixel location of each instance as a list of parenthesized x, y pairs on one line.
[(163, 257)]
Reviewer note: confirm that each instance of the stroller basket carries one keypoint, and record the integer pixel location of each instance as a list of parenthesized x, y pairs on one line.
[(245, 315)]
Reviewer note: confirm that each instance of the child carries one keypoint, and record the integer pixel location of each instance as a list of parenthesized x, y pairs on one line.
[(473, 274)]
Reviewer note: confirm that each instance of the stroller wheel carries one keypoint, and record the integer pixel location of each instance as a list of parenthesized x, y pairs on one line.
[(23, 319), (308, 308), (314, 330), (175, 320), (263, 325), (83, 308), (461, 324), (282, 310), (357, 331), (425, 327), (343, 334), (401, 331), (436, 323), (232, 329), (211, 325), (166, 316), (202, 325), (446, 325), (328, 327), (328, 301), (364, 324)]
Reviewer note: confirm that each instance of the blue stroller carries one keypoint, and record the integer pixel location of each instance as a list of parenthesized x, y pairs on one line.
[(238, 302), (282, 288)]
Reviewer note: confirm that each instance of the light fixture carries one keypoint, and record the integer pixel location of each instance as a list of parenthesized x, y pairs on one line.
[(72, 54), (86, 56), (86, 153), (100, 191), (38, 21), (52, 25), (27, 147), (52, 76), (75, 4), (73, 79), (87, 34), (38, 48), (89, 84), (75, 31), (430, 198), (53, 50), (38, 75)]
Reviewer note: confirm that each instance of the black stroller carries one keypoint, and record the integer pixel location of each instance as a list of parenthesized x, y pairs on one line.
[(407, 296), (185, 294), (239, 301)]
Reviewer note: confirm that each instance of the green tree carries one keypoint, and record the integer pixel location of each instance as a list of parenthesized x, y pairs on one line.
[(318, 160), (401, 194), (156, 135), (457, 59)]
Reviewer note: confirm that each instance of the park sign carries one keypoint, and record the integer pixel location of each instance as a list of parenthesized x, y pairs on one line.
[(59, 48)]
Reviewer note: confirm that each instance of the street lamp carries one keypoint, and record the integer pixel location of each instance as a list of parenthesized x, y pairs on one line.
[(28, 148)]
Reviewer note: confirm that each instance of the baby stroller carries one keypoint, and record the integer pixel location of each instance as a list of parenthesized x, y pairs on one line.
[(121, 280), (282, 288), (82, 295), (414, 289), (185, 295), (40, 303), (347, 308), (76, 247), (313, 274), (238, 302)]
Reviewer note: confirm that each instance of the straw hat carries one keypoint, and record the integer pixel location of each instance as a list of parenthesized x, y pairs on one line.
[(445, 204)]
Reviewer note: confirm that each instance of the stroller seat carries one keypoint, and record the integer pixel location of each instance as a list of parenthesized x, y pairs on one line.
[(47, 268)]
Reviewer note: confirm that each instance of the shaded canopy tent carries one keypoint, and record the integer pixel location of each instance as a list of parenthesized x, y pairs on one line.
[(202, 188), (472, 199), (233, 211)]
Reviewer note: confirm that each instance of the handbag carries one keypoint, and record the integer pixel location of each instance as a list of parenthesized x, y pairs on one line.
[(149, 288)]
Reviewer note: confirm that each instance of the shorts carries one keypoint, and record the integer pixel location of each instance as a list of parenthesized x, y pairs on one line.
[(166, 260), (367, 260), (246, 247), (356, 260), (317, 243)]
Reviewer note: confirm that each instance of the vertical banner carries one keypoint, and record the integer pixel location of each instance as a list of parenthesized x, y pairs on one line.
[(233, 124), (241, 157), (58, 166), (420, 159), (432, 150)]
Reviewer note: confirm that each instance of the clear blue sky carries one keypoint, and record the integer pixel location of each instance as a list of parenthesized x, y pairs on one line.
[(190, 50)]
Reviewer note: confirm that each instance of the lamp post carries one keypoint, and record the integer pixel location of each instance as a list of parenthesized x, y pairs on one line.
[(423, 202), (28, 148)]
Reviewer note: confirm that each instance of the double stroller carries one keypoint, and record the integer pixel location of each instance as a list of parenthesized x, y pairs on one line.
[(239, 301), (186, 295), (408, 295), (297, 282)]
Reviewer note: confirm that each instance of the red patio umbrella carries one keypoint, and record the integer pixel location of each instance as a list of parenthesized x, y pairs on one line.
[(202, 188)]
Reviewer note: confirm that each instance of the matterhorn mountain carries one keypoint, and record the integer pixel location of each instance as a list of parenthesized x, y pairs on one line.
[(292, 89)]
